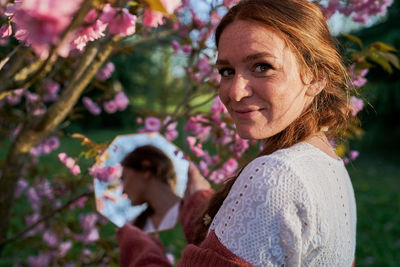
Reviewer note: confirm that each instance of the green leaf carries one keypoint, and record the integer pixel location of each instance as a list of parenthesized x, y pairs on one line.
[(393, 59), (156, 5), (379, 58), (353, 38), (383, 47)]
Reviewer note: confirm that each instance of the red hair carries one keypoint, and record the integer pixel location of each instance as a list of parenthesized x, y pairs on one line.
[(302, 26)]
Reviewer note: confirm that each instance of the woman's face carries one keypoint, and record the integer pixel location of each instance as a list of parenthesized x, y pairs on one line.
[(260, 85), (134, 185)]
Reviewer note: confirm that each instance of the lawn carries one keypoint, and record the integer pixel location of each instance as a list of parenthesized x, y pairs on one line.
[(376, 181)]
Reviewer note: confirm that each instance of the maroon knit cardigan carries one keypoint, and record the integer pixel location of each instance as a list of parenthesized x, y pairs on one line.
[(140, 249)]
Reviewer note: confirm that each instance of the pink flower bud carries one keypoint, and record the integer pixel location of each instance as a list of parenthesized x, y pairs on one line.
[(62, 157), (75, 170), (5, 31)]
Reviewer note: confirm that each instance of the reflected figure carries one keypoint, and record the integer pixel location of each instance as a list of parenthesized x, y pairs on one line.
[(149, 176)]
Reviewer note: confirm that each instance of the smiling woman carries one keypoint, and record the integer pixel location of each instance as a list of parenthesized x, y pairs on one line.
[(284, 83), (261, 84)]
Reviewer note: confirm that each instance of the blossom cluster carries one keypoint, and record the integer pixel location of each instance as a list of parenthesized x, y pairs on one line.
[(57, 240), (119, 103), (105, 174), (218, 131), (359, 10), (70, 163), (41, 23), (46, 146), (167, 127)]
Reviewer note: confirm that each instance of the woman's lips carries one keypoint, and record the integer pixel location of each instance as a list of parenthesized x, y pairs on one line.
[(247, 113)]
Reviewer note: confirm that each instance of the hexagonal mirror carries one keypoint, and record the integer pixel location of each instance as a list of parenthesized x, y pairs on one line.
[(140, 179)]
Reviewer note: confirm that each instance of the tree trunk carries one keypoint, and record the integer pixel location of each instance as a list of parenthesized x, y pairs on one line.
[(34, 130)]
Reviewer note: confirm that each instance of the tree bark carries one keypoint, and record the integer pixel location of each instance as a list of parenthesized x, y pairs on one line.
[(37, 128)]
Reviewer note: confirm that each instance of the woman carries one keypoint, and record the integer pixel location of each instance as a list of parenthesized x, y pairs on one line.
[(149, 176), (283, 82)]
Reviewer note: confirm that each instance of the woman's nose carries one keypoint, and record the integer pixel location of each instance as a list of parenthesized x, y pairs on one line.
[(240, 88)]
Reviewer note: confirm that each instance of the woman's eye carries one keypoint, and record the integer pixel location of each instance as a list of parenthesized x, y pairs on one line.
[(263, 67), (226, 72)]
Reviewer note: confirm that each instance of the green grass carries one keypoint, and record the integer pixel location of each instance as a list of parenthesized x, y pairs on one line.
[(376, 181)]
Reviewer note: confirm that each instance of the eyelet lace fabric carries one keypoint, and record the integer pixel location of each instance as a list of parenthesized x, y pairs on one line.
[(295, 207)]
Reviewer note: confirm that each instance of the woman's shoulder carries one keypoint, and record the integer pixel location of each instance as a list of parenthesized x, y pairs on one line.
[(298, 159)]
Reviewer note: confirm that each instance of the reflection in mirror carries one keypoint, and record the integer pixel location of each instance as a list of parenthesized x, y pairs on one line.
[(139, 179)]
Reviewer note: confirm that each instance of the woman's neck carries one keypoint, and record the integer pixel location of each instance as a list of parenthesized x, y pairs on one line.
[(320, 141), (161, 198)]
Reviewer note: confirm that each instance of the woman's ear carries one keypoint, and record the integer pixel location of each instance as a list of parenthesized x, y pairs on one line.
[(315, 87)]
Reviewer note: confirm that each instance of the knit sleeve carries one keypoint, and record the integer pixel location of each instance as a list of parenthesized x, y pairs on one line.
[(190, 211), (139, 249), (264, 220)]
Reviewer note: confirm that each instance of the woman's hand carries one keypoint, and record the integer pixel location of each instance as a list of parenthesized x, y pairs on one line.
[(196, 181)]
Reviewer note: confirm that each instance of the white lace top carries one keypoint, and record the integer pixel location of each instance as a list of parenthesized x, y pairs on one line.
[(169, 221), (295, 207)]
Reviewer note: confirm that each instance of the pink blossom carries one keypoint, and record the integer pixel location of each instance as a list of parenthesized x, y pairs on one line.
[(44, 189), (170, 258), (51, 88), (63, 248), (46, 146), (171, 5), (105, 72), (152, 18), (120, 21), (152, 124), (139, 120), (196, 149), (75, 170), (21, 186), (43, 259), (32, 97), (88, 221), (332, 7), (15, 96), (106, 174), (50, 238), (196, 126), (186, 49), (110, 107), (34, 198), (353, 154), (229, 3), (94, 30), (43, 21), (356, 105), (230, 167), (346, 160), (91, 106), (5, 31), (175, 46), (203, 166), (21, 34), (62, 156), (121, 100), (31, 219), (217, 176), (215, 17), (358, 78), (197, 22), (79, 203), (239, 146), (70, 162)]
